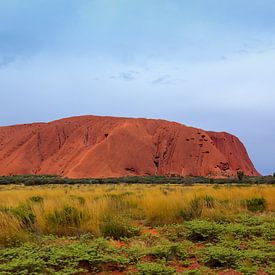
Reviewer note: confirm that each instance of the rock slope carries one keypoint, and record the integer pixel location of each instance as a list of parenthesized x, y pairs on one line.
[(92, 146)]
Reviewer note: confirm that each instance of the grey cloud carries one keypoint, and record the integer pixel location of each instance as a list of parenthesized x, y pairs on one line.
[(162, 80), (6, 60), (127, 76)]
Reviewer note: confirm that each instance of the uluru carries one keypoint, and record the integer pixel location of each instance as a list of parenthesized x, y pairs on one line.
[(97, 147)]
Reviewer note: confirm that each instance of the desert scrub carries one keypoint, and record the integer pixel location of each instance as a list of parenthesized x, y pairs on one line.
[(72, 258), (11, 233), (202, 230), (117, 227), (262, 245), (209, 201), (220, 256), (256, 204), (157, 249), (78, 199), (168, 251), (174, 232), (241, 231), (155, 269), (193, 210), (36, 199), (200, 271), (80, 209), (25, 214), (252, 261), (66, 221)]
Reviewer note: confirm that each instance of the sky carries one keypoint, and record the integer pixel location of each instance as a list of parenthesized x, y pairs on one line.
[(204, 63)]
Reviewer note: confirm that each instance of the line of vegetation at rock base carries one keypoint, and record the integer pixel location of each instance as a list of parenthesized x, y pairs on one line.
[(137, 229), (54, 179)]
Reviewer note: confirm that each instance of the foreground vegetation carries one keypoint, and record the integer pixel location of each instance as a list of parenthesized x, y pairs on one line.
[(137, 229)]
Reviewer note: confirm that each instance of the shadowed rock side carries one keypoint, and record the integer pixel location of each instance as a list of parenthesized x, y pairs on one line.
[(91, 146)]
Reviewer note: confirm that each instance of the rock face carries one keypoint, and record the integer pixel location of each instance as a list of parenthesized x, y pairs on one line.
[(92, 146)]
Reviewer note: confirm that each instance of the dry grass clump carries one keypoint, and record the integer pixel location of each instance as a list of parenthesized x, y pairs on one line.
[(11, 230), (76, 210)]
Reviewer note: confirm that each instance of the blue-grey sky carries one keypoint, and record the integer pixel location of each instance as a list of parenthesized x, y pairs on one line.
[(205, 63)]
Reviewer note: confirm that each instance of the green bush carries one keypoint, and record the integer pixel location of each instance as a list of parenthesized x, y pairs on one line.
[(248, 268), (155, 269), (66, 220), (251, 261), (238, 230), (241, 231), (258, 256), (193, 209), (240, 175), (117, 228), (174, 232), (220, 256), (65, 258), (168, 251), (79, 199), (256, 204), (36, 199), (15, 239), (192, 272), (201, 230), (209, 201), (25, 214)]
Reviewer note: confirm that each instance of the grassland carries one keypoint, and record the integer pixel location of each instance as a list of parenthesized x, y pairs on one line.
[(137, 229)]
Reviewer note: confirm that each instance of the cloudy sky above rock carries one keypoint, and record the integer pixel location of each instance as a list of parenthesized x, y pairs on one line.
[(205, 63)]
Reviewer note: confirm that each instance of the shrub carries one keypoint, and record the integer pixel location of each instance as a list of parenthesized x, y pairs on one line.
[(248, 268), (36, 199), (211, 181), (65, 258), (192, 272), (23, 266), (25, 214), (155, 269), (200, 230), (238, 230), (258, 256), (249, 220), (220, 256), (240, 175), (264, 230), (209, 201), (117, 228), (168, 251), (253, 259), (80, 199), (66, 220), (256, 204), (14, 239), (193, 210)]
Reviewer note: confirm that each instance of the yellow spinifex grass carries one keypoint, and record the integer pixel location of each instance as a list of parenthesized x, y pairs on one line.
[(147, 204)]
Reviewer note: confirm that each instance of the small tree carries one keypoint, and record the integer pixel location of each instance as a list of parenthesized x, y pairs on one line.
[(240, 175), (211, 181), (274, 174)]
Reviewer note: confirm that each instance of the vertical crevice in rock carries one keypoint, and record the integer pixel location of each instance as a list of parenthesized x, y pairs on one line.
[(39, 142), (86, 137), (156, 163)]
